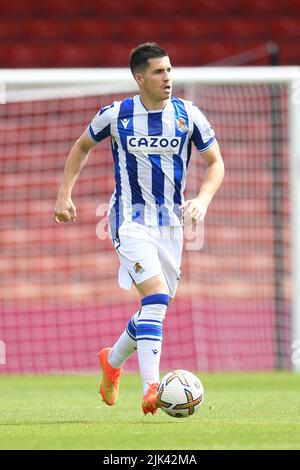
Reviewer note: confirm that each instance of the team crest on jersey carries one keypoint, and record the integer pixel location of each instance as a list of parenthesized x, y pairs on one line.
[(181, 125), (138, 268)]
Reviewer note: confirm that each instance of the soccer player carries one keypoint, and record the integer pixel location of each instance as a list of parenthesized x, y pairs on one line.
[(151, 137)]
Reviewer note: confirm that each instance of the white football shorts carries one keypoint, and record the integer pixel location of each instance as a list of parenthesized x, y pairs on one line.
[(146, 251)]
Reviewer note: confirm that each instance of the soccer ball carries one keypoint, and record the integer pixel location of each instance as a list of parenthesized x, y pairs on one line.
[(180, 393)]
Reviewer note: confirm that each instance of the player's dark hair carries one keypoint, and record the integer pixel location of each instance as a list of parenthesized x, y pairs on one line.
[(141, 54)]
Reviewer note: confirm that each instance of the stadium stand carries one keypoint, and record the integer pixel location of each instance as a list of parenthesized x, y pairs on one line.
[(89, 33)]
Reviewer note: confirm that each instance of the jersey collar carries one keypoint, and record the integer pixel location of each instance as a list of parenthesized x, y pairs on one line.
[(143, 107)]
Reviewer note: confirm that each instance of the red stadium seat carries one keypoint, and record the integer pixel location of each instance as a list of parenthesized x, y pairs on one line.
[(75, 55), (294, 7), (218, 51), (183, 54), (206, 8), (289, 54), (25, 55), (9, 30), (115, 7), (45, 29), (244, 27), (256, 7), (64, 7), (144, 30), (115, 54), (193, 28), (7, 7), (91, 29), (287, 27), (167, 7)]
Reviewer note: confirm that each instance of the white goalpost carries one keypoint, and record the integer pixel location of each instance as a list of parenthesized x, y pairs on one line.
[(238, 305)]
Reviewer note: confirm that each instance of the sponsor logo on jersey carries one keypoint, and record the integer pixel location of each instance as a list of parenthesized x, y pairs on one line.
[(125, 122), (149, 144)]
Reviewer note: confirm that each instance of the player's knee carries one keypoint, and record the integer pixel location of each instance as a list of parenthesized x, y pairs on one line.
[(154, 307)]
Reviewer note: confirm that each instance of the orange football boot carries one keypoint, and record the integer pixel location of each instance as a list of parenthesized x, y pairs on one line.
[(151, 402), (109, 387)]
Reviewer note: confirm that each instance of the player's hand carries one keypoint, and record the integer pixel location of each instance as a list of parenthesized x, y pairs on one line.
[(194, 210), (64, 209)]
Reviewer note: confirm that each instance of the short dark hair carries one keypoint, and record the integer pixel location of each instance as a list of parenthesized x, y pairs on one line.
[(141, 54)]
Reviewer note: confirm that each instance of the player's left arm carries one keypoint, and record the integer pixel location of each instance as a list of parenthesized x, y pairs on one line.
[(196, 208)]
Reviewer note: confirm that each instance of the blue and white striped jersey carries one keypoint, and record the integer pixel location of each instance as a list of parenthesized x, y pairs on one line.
[(151, 151)]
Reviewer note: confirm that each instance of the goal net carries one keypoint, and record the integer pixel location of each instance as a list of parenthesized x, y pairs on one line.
[(59, 297)]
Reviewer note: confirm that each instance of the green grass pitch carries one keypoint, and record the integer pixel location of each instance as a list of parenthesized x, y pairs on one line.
[(240, 411)]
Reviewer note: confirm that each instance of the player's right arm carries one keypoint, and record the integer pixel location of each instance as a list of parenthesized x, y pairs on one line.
[(98, 129), (64, 209)]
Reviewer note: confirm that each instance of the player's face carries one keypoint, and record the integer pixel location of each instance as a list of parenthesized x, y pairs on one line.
[(156, 80)]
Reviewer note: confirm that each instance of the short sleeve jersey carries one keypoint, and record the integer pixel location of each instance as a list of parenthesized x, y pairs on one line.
[(151, 151)]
